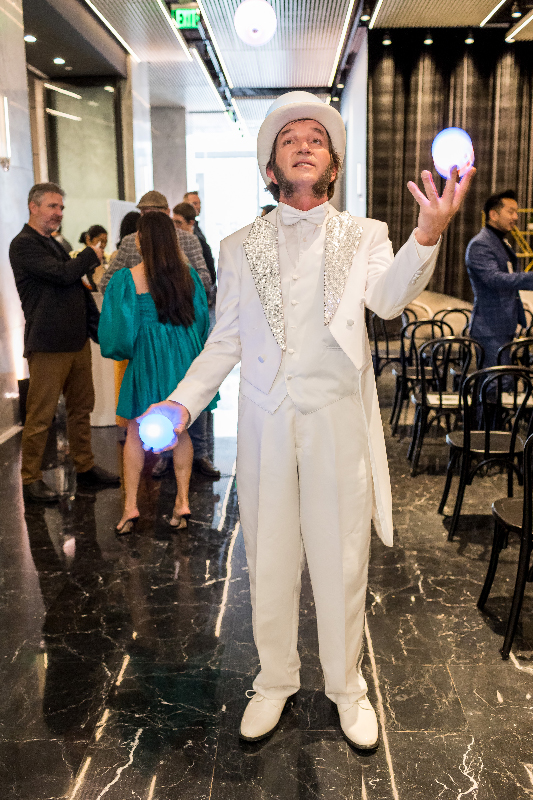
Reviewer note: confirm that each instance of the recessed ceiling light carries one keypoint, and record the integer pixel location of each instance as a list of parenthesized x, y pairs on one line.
[(365, 17), (469, 38), (59, 60), (109, 88), (335, 99), (68, 69), (340, 86), (30, 38), (386, 39)]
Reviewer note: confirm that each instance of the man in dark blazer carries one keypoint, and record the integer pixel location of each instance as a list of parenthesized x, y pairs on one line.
[(492, 268), (60, 315), (193, 198)]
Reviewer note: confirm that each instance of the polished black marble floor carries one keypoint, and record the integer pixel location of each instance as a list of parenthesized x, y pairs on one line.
[(125, 661)]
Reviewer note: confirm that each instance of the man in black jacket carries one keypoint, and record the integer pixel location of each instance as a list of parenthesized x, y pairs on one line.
[(60, 313), (193, 198)]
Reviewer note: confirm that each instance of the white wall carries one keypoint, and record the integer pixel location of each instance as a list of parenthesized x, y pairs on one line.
[(14, 187), (136, 132), (142, 129), (354, 114), (169, 153)]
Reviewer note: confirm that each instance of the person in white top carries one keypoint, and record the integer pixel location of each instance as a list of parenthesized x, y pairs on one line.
[(311, 465)]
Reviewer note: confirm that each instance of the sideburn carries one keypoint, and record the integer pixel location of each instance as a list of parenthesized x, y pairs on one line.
[(285, 186), (320, 188)]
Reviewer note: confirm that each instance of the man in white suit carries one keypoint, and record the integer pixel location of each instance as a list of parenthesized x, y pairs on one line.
[(311, 465)]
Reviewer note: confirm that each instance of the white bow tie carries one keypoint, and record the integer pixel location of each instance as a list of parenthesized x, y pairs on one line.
[(290, 216)]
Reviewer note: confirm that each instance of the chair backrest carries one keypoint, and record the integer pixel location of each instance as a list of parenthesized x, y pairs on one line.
[(423, 311), (450, 359), (409, 315), (383, 332), (458, 318), (414, 334), (484, 410), (518, 353)]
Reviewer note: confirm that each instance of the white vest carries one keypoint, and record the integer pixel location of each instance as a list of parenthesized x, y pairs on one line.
[(314, 370)]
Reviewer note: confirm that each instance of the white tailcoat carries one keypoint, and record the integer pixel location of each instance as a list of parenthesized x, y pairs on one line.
[(249, 328)]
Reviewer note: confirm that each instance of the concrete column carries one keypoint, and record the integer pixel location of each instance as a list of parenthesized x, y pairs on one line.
[(136, 132), (14, 187), (169, 152)]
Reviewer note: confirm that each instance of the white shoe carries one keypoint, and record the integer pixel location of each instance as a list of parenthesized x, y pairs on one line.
[(260, 717), (359, 724)]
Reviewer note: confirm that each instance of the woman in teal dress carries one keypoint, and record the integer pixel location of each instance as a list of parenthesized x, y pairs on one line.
[(155, 315)]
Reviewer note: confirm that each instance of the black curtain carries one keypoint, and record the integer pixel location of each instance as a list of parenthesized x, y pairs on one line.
[(414, 91)]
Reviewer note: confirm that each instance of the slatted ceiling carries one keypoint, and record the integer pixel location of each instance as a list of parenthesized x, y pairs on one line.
[(143, 26), (301, 53), (433, 13), (280, 68), (179, 84)]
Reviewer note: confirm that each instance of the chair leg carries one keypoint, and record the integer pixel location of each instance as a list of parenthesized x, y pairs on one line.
[(414, 434), (419, 441), (397, 393), (497, 546), (518, 596), (454, 455), (403, 398), (463, 480)]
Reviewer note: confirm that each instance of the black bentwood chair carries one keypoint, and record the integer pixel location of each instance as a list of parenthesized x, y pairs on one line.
[(458, 318), (518, 353), (447, 362), (407, 375), (491, 432), (513, 516), (385, 335)]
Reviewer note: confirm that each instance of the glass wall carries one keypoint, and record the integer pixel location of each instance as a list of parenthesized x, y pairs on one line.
[(82, 152)]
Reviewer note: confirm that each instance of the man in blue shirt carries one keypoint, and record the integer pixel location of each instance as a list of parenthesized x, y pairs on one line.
[(492, 268)]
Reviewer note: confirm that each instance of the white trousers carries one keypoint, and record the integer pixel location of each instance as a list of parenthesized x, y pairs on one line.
[(305, 486)]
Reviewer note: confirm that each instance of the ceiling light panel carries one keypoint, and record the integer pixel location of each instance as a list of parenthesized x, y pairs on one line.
[(433, 13), (301, 53), (144, 25)]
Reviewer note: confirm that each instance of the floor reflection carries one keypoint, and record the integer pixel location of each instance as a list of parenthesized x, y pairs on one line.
[(125, 661)]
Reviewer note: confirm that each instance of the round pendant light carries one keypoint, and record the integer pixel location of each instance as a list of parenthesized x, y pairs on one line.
[(255, 22)]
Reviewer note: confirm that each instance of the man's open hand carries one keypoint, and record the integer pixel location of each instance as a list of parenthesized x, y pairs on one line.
[(436, 212), (176, 413)]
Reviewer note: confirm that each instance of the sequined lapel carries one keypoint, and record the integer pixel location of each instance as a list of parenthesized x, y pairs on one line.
[(342, 240), (261, 248)]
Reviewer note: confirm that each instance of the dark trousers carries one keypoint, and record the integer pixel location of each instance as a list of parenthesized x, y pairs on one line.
[(198, 434), (50, 375)]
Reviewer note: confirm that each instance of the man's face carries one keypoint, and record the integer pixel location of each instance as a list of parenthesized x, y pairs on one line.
[(195, 202), (181, 223), (302, 155), (46, 217), (505, 218)]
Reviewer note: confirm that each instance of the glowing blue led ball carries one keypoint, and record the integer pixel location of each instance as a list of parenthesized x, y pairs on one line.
[(452, 147), (156, 431)]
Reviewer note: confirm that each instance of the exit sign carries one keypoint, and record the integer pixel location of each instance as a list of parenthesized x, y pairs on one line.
[(185, 17)]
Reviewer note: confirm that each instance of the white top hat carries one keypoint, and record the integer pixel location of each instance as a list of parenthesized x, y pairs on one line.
[(297, 105)]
